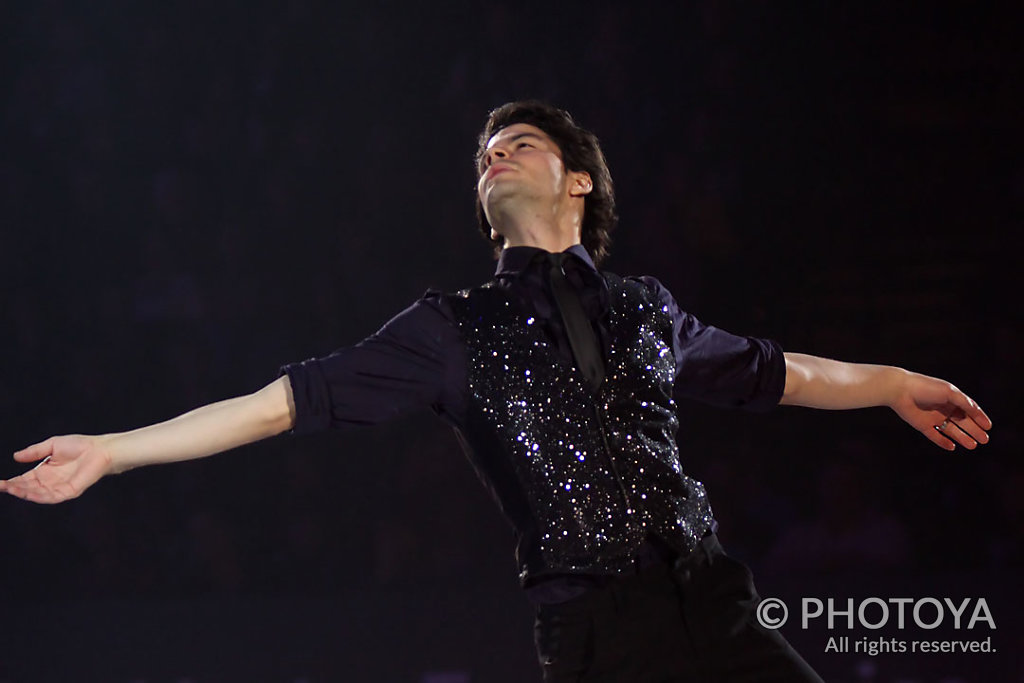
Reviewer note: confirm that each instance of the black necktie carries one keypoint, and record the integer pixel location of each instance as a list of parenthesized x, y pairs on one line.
[(577, 327)]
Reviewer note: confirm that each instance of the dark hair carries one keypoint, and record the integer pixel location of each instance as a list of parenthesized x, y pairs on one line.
[(581, 151)]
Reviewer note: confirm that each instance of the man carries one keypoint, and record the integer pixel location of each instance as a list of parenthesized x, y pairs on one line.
[(558, 379)]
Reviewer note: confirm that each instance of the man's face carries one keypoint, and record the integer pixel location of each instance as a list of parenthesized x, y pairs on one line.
[(520, 161)]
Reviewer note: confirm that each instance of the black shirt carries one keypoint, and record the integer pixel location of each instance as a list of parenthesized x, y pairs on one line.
[(417, 359)]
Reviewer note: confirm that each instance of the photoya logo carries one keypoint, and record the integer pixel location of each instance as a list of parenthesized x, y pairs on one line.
[(772, 613), (876, 613)]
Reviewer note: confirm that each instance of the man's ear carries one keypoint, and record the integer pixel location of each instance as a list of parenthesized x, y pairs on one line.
[(494, 235), (580, 184)]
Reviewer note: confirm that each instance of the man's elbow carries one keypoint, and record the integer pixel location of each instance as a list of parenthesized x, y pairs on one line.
[(277, 405), (796, 378)]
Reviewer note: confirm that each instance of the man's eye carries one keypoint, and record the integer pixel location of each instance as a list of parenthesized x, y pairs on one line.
[(523, 144)]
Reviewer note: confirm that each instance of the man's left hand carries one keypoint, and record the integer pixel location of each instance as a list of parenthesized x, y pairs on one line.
[(943, 413)]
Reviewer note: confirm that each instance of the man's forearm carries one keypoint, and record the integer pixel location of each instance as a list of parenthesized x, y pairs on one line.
[(836, 385), (207, 430)]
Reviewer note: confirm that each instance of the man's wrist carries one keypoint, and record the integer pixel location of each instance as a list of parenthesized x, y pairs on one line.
[(894, 383), (108, 445)]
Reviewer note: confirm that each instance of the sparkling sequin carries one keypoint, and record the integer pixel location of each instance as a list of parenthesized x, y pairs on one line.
[(585, 480)]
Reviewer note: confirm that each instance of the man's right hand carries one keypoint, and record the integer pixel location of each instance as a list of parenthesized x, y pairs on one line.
[(69, 465)]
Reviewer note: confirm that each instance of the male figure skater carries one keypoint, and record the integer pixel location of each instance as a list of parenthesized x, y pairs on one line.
[(559, 380)]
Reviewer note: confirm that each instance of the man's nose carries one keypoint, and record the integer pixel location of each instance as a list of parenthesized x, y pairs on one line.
[(495, 153)]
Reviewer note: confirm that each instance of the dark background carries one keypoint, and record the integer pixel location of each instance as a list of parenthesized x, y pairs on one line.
[(193, 194)]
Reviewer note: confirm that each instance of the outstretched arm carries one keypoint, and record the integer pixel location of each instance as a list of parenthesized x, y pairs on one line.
[(932, 406), (71, 464)]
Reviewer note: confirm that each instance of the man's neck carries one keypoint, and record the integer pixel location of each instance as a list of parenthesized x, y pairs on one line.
[(552, 236), (551, 243), (552, 226)]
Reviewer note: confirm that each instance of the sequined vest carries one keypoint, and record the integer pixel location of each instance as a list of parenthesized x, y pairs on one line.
[(583, 477)]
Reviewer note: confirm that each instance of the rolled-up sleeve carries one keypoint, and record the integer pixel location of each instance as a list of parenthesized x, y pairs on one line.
[(719, 368), (403, 366)]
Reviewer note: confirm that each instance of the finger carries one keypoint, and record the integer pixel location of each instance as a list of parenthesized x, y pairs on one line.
[(971, 427), (17, 489), (35, 494), (16, 486), (10, 485), (33, 490), (937, 436), (950, 430), (971, 409), (38, 451)]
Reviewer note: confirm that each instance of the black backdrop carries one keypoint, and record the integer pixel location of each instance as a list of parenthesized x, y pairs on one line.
[(194, 194)]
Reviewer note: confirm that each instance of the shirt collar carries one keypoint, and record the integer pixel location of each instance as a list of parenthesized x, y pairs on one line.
[(515, 259)]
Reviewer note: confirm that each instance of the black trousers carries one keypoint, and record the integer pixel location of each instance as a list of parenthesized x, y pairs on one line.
[(693, 621)]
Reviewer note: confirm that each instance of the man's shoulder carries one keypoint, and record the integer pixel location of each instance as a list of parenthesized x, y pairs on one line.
[(483, 288), (648, 286), (454, 304)]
